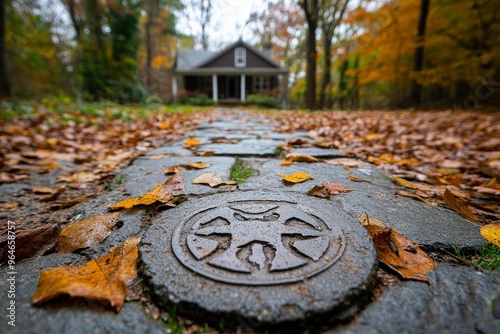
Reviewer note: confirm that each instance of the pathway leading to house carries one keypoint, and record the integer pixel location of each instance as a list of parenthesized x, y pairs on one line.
[(264, 254)]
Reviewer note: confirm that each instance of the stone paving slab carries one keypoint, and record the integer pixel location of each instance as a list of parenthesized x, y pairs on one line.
[(147, 172), (214, 286), (320, 152), (246, 147), (71, 317), (459, 301)]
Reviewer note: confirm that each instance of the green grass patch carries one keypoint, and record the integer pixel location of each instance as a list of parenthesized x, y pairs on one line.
[(486, 256), (116, 182), (240, 171)]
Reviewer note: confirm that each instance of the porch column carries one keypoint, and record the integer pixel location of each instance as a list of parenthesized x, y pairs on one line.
[(215, 88), (174, 87), (242, 87)]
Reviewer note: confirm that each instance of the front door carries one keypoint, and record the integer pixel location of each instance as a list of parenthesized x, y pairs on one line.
[(233, 87)]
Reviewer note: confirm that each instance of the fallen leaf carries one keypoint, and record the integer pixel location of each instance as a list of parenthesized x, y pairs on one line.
[(222, 140), (86, 233), (296, 177), (174, 169), (491, 232), (43, 190), (355, 179), (346, 162), (401, 254), (198, 165), (367, 220), (324, 144), (420, 198), (286, 163), (298, 142), (207, 153), (54, 195), (111, 162), (211, 179), (33, 243), (191, 143), (319, 191), (104, 279), (297, 157), (404, 183), (337, 188), (459, 206), (81, 177), (163, 192), (10, 205), (10, 178)]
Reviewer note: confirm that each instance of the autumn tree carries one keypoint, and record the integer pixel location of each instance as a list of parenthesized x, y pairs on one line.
[(330, 15), (280, 26), (311, 12)]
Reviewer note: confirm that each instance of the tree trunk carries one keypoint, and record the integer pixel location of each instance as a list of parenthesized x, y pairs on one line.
[(419, 54), (326, 76), (149, 45), (4, 80), (310, 8)]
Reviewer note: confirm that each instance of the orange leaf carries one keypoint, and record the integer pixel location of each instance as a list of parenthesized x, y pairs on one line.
[(401, 254), (319, 191), (82, 177), (198, 165), (459, 206), (296, 157), (211, 179), (286, 163), (355, 179), (104, 279), (191, 143), (408, 194), (207, 153), (404, 183), (296, 177), (163, 192), (86, 233), (371, 223)]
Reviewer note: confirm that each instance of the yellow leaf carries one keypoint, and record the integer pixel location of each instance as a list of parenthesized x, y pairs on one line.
[(104, 279), (404, 183), (198, 165), (491, 232), (296, 177), (211, 179), (191, 143), (286, 163), (86, 233)]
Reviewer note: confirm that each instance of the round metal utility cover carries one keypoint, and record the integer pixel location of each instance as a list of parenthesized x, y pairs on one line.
[(262, 256)]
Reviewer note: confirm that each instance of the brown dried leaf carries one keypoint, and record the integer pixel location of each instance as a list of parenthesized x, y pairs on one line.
[(174, 169), (207, 153), (104, 279), (43, 190), (54, 195), (404, 183), (298, 142), (211, 179), (336, 188), (402, 255), (367, 220), (87, 233), (324, 144), (355, 179), (297, 157), (459, 206), (408, 194), (33, 243), (198, 165), (81, 177), (319, 191)]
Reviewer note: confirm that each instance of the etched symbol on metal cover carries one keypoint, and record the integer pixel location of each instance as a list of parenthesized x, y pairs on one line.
[(257, 243)]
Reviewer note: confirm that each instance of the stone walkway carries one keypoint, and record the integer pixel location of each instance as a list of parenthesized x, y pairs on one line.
[(266, 255)]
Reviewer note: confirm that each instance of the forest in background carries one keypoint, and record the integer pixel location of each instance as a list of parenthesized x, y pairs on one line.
[(342, 54)]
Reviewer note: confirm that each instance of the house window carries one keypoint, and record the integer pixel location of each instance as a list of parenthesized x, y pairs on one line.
[(260, 83), (240, 57)]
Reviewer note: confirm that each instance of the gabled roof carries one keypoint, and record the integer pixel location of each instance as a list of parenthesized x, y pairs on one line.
[(196, 61), (191, 59)]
